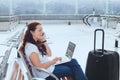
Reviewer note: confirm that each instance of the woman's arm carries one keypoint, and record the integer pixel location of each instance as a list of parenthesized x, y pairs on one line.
[(34, 58)]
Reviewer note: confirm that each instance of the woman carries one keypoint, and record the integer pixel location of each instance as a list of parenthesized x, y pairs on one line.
[(37, 52)]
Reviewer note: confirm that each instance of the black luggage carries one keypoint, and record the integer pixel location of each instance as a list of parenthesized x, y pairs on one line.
[(102, 64)]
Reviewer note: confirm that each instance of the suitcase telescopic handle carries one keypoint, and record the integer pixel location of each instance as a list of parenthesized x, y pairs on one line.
[(102, 39)]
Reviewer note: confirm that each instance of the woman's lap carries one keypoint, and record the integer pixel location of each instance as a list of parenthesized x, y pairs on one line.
[(61, 71), (71, 68)]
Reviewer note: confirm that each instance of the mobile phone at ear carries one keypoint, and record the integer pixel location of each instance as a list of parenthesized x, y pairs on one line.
[(43, 34)]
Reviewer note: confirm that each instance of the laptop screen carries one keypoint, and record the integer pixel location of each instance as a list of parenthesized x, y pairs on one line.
[(70, 49)]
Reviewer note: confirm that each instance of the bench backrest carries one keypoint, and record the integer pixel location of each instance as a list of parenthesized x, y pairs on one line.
[(27, 65), (16, 72)]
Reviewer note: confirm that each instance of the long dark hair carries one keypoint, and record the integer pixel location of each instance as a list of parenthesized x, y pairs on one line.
[(29, 38)]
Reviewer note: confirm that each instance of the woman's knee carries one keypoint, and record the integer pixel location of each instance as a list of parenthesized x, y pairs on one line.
[(74, 61), (62, 71)]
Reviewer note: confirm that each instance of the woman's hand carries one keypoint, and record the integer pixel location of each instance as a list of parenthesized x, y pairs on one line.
[(56, 59)]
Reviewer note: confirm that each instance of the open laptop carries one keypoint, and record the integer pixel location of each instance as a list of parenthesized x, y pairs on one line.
[(69, 53)]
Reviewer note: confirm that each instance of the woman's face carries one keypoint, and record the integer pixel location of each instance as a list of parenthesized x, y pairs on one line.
[(37, 34)]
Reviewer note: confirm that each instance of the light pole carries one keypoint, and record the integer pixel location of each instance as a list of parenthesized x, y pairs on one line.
[(107, 7), (11, 8), (44, 6), (76, 7)]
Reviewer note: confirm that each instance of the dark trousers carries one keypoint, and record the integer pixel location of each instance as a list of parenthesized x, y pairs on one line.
[(71, 68)]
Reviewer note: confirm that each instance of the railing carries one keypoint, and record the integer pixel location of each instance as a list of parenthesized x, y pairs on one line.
[(8, 23), (102, 20), (51, 16), (87, 19)]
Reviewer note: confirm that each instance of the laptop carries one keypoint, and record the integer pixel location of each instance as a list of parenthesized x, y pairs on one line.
[(69, 53)]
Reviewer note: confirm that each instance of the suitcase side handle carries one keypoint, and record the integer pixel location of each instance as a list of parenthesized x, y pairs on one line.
[(102, 39)]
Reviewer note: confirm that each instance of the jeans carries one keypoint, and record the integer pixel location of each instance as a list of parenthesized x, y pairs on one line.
[(71, 68)]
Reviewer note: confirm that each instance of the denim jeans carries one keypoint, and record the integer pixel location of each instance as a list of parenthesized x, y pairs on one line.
[(71, 68)]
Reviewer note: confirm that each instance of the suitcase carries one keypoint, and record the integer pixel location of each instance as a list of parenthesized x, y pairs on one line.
[(102, 64)]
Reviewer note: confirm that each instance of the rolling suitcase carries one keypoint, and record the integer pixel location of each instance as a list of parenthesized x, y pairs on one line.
[(102, 64)]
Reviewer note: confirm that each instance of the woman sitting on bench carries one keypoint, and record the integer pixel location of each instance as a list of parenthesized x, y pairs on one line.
[(37, 52)]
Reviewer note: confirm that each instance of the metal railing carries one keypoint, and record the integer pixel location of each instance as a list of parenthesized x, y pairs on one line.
[(7, 23), (102, 20), (14, 20)]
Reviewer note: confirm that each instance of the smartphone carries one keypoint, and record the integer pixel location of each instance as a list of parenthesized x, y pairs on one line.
[(43, 34)]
